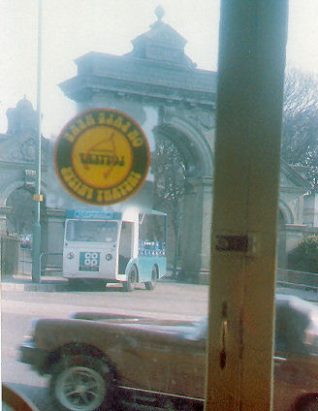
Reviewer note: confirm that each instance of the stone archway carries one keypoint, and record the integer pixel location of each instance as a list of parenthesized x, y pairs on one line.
[(286, 215), (194, 198), (159, 85), (20, 210), (161, 88), (17, 152), (18, 171)]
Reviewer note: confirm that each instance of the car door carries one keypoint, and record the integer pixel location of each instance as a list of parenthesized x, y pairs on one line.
[(187, 370), (162, 362), (143, 361)]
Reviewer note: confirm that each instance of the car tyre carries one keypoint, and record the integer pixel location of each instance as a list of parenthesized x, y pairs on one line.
[(150, 285), (81, 383), (132, 278)]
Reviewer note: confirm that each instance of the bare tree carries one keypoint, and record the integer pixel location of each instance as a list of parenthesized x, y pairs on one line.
[(169, 188), (300, 123)]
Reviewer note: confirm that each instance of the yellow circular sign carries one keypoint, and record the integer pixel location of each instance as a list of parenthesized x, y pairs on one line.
[(102, 156)]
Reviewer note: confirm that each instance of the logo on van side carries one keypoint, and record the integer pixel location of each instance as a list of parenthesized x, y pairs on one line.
[(102, 156)]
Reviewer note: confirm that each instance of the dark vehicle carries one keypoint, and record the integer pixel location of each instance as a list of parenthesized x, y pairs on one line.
[(26, 241), (101, 360)]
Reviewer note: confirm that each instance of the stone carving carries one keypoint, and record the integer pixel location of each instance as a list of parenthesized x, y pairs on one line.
[(28, 149), (202, 118), (22, 119), (25, 152), (161, 43), (196, 116), (159, 12)]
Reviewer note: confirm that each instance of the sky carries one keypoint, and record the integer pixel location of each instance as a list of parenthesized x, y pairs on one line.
[(71, 28)]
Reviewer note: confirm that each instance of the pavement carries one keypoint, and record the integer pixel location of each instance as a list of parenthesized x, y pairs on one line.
[(23, 282), (48, 283)]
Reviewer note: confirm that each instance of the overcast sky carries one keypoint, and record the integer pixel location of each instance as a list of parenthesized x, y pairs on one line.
[(74, 27)]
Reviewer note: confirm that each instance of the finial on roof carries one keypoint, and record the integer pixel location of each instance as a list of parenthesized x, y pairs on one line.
[(24, 103), (159, 12)]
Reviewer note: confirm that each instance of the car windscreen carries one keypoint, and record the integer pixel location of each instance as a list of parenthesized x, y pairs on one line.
[(91, 231)]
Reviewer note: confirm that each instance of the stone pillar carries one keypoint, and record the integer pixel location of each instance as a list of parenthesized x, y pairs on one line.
[(294, 235), (311, 210), (206, 187), (4, 211), (196, 230), (281, 243)]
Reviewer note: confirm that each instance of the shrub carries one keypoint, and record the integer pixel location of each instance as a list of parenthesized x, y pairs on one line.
[(305, 256)]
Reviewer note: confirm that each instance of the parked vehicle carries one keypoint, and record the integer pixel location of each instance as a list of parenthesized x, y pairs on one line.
[(26, 241), (100, 359), (126, 247)]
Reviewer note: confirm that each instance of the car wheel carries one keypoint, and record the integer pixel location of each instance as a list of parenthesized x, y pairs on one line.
[(81, 383), (150, 285), (132, 278)]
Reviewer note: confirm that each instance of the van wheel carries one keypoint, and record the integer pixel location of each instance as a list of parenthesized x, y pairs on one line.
[(150, 285), (132, 278), (81, 383)]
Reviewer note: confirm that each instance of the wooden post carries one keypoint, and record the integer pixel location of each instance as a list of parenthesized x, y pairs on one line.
[(242, 286)]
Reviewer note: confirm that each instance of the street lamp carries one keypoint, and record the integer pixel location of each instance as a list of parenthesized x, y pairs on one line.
[(38, 197)]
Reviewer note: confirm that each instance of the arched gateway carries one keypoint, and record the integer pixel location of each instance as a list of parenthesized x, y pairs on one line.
[(158, 85)]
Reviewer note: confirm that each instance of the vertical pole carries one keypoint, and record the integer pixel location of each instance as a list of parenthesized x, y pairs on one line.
[(244, 227), (36, 243)]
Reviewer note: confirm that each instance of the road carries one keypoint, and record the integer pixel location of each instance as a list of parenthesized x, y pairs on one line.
[(18, 308)]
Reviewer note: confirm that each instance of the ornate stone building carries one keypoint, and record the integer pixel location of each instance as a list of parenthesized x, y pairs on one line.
[(17, 155), (158, 85)]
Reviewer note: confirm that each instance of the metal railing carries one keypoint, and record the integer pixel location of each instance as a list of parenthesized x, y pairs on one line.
[(307, 281), (305, 287)]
